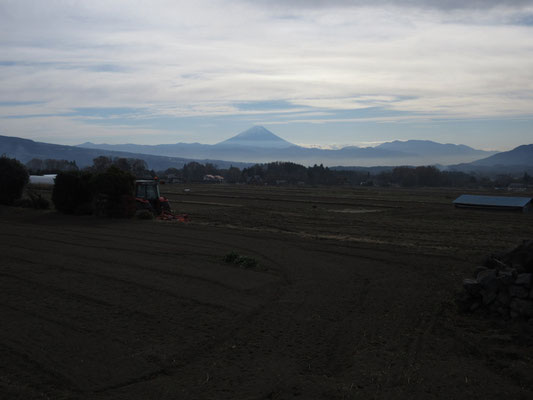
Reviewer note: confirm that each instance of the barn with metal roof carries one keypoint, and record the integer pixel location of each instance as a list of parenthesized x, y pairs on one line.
[(523, 204)]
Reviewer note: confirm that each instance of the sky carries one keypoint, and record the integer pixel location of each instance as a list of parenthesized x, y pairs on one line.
[(317, 73)]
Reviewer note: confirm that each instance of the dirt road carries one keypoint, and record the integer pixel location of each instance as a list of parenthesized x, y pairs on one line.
[(359, 307)]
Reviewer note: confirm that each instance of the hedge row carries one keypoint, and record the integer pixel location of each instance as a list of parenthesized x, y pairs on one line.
[(13, 177), (108, 193)]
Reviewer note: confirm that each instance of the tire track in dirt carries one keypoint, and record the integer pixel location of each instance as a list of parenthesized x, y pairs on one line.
[(413, 349), (341, 358), (69, 295), (81, 364), (307, 200), (131, 325), (103, 237), (25, 378), (102, 263), (234, 306), (375, 252), (300, 334), (186, 355), (29, 254), (346, 238), (199, 244), (235, 241)]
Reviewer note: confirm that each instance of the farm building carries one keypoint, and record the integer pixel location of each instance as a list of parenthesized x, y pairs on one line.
[(494, 202), (43, 179)]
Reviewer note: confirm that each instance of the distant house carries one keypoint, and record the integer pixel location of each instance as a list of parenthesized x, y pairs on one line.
[(213, 178), (508, 203)]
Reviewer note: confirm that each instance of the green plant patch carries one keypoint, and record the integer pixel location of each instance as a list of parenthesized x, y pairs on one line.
[(244, 261)]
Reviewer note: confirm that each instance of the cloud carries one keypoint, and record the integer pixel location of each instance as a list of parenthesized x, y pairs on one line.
[(437, 4), (190, 59)]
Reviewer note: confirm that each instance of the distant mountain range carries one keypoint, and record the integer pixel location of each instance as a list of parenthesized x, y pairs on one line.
[(429, 148), (24, 150), (258, 144), (521, 155), (517, 160)]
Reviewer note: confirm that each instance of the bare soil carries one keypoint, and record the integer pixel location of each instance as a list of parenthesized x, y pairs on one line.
[(353, 298)]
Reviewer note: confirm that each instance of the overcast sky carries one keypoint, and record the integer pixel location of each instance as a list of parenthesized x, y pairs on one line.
[(325, 73)]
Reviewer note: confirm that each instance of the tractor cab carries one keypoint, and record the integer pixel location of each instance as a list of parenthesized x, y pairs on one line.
[(147, 189), (148, 196)]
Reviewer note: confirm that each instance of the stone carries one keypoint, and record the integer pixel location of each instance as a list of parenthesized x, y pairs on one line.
[(520, 268), (493, 261), (493, 285), (490, 285), (479, 269), (486, 276), (503, 311), (518, 291), (522, 307), (472, 286), (504, 297), (488, 296), (507, 276), (523, 280), (503, 286)]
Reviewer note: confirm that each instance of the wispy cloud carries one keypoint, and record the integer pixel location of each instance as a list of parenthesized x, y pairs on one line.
[(309, 60)]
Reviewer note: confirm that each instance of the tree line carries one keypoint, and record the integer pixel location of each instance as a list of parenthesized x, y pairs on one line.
[(274, 173), (134, 166), (280, 173)]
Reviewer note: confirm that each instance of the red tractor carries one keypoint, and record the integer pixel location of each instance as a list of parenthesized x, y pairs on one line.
[(148, 197)]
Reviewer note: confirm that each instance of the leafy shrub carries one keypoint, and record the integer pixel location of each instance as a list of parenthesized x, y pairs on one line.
[(72, 192), (34, 200), (244, 261), (128, 206), (231, 257), (113, 182), (113, 190), (13, 177), (247, 262), (107, 194), (37, 201)]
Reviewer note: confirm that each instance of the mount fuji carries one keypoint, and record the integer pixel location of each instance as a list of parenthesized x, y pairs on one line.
[(257, 136)]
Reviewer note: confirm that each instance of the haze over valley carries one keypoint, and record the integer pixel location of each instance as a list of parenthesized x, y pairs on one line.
[(259, 145)]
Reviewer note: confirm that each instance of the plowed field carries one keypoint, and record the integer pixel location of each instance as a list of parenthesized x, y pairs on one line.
[(352, 298)]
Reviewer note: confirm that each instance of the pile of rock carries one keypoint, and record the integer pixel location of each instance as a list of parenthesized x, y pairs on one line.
[(503, 285)]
